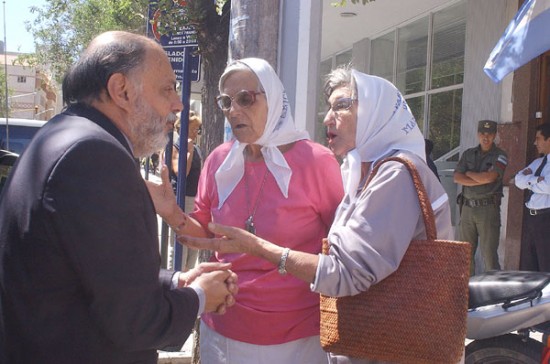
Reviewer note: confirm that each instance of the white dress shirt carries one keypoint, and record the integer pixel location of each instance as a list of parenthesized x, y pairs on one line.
[(541, 189)]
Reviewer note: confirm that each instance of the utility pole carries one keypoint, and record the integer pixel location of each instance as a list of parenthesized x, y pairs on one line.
[(254, 30), (6, 81)]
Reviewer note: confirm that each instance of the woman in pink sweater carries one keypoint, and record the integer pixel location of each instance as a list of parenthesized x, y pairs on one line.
[(276, 183)]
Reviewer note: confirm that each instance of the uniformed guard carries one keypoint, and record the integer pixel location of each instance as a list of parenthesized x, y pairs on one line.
[(480, 171)]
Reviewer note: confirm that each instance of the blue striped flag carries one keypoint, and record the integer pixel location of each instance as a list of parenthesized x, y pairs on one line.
[(526, 37)]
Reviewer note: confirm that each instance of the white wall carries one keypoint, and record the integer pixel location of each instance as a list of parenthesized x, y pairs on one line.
[(482, 98), (299, 54)]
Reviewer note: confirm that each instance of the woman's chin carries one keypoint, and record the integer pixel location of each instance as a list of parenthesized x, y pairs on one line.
[(336, 150)]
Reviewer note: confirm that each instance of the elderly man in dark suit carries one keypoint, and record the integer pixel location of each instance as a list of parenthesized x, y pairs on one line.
[(80, 278)]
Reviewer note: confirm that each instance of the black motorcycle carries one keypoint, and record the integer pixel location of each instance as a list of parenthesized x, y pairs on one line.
[(505, 307)]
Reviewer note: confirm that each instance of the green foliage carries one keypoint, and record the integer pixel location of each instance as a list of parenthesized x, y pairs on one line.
[(195, 13), (3, 93), (62, 28), (174, 16), (344, 2)]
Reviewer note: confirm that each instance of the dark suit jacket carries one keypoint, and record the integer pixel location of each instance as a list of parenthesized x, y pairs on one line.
[(80, 278)]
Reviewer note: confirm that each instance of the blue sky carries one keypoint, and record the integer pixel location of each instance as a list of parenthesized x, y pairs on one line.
[(16, 13)]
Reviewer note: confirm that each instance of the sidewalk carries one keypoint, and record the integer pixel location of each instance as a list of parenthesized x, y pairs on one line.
[(178, 357)]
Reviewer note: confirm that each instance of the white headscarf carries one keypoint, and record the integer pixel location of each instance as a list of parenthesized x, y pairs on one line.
[(279, 130), (384, 123)]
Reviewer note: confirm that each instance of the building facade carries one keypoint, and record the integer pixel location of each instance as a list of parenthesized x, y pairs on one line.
[(32, 94), (434, 51)]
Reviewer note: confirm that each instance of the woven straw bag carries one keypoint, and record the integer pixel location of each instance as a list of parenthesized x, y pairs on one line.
[(415, 315)]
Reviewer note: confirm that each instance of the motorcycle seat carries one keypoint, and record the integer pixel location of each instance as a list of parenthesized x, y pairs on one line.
[(496, 287)]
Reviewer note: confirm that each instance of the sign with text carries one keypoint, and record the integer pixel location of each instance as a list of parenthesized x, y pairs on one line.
[(175, 43), (176, 57)]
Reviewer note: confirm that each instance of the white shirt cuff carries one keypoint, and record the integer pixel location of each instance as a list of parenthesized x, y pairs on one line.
[(195, 287), (202, 298), (175, 280), (314, 286)]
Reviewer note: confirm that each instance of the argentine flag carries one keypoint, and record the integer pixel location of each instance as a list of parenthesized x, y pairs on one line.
[(526, 37)]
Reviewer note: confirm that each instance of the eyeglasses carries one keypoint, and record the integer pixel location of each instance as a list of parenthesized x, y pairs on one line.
[(243, 98), (341, 104)]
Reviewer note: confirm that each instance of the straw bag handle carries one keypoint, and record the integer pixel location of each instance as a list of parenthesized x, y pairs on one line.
[(425, 205)]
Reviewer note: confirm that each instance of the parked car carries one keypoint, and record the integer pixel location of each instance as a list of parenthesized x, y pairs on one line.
[(7, 160), (20, 132), (15, 135)]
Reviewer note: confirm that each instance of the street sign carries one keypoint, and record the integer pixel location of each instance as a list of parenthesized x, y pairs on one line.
[(180, 47), (176, 57), (175, 44), (184, 36)]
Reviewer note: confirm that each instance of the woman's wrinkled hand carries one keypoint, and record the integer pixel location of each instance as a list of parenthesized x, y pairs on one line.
[(230, 240)]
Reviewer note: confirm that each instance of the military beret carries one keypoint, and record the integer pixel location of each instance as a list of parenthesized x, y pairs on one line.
[(487, 126)]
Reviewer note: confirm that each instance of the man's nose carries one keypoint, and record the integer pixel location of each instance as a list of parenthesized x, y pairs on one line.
[(177, 105)]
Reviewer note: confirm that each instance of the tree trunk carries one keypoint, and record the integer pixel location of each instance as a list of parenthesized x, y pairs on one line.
[(212, 118), (254, 30), (254, 33), (212, 35)]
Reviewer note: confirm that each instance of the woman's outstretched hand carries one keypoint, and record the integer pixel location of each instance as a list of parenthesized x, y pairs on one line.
[(229, 240)]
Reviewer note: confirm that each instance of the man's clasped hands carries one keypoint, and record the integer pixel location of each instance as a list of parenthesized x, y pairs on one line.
[(210, 277)]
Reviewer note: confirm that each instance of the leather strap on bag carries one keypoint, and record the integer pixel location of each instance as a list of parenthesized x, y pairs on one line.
[(423, 199), (431, 271)]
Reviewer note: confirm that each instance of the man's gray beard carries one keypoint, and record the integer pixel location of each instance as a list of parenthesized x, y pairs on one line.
[(147, 130)]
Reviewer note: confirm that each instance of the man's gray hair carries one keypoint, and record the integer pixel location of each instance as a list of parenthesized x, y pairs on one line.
[(109, 53)]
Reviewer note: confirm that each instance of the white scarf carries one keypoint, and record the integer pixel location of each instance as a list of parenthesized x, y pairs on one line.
[(279, 130), (384, 123)]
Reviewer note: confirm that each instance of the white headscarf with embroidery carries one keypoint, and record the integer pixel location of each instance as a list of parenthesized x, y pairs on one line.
[(279, 130), (384, 123)]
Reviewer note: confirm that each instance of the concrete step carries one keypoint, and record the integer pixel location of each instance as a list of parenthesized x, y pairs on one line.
[(178, 357)]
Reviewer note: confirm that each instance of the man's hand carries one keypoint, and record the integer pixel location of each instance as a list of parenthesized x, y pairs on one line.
[(220, 288), (165, 201), (186, 278), (202, 269)]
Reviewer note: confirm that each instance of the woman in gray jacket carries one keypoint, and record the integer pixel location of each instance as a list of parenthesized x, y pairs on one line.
[(367, 121)]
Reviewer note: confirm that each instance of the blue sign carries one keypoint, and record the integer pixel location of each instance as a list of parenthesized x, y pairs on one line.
[(176, 57), (176, 44)]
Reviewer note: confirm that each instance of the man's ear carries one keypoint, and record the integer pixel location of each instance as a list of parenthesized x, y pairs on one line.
[(118, 87)]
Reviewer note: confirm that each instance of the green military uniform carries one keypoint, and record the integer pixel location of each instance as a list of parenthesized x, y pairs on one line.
[(480, 212)]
